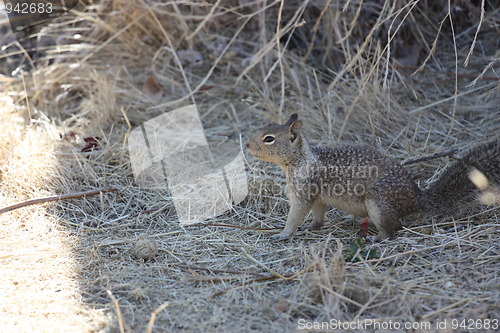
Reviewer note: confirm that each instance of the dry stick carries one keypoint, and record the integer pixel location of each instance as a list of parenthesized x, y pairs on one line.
[(280, 60), (353, 22), (275, 275), (26, 92), (485, 70), (451, 306), (118, 311), (149, 210), (261, 265), (205, 20), (433, 47), (481, 18), (159, 309), (455, 93), (182, 265), (461, 75), (265, 278), (213, 278), (55, 198), (391, 37), (397, 255), (316, 26), (444, 100), (232, 226), (450, 153)]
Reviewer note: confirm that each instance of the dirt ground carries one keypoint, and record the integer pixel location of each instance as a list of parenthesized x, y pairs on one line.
[(410, 78)]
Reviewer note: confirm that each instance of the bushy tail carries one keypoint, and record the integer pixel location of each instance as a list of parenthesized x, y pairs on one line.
[(454, 190)]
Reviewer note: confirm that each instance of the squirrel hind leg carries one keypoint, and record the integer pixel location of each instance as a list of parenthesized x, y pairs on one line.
[(384, 218)]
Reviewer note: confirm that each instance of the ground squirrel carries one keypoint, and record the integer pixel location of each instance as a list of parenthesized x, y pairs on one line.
[(362, 181)]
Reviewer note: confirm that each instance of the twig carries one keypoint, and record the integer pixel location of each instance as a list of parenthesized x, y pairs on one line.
[(148, 211), (481, 18), (159, 309), (401, 254), (451, 306), (266, 278), (232, 226), (55, 198), (191, 267), (261, 265), (121, 322), (461, 75), (275, 275), (316, 27), (450, 153)]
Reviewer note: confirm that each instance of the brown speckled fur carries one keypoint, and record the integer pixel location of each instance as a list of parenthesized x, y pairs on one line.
[(361, 180)]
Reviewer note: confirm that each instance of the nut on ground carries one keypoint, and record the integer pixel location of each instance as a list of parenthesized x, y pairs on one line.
[(145, 247)]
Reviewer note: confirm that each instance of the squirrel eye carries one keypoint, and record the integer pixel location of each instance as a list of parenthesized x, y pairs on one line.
[(268, 139)]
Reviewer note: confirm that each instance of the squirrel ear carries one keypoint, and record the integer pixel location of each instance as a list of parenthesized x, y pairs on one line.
[(295, 129), (293, 118)]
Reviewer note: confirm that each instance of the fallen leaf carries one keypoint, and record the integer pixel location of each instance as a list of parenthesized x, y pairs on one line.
[(67, 136), (92, 144), (152, 89), (363, 228)]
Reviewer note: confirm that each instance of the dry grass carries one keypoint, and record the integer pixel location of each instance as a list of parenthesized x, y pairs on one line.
[(60, 259)]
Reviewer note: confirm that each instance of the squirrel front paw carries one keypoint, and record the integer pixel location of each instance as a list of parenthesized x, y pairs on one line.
[(280, 236)]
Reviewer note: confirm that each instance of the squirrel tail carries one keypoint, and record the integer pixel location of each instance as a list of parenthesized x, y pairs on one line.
[(454, 190)]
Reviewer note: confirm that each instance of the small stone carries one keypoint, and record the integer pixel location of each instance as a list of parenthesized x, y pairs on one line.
[(426, 231), (282, 306)]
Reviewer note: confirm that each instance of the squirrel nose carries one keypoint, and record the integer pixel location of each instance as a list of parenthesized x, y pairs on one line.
[(247, 144)]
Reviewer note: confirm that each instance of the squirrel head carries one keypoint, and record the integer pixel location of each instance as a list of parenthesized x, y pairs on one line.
[(279, 144)]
